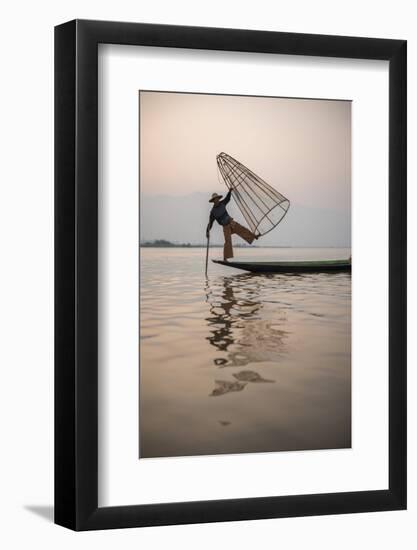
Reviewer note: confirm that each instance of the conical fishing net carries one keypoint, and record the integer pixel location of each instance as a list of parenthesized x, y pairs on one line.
[(260, 204)]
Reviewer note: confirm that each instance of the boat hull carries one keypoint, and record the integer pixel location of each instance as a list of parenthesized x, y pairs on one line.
[(325, 266)]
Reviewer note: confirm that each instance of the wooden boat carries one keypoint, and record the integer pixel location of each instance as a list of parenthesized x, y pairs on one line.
[(315, 266)]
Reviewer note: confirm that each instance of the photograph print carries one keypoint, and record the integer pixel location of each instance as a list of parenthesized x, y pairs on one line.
[(245, 274)]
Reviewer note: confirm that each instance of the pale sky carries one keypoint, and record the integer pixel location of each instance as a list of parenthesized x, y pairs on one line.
[(300, 147)]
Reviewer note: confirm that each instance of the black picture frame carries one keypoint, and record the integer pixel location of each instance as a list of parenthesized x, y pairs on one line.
[(76, 273)]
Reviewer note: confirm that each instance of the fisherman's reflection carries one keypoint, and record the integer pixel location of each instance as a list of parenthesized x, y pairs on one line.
[(238, 330), (228, 312)]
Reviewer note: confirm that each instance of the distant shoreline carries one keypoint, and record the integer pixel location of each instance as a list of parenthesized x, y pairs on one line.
[(162, 243), (189, 245)]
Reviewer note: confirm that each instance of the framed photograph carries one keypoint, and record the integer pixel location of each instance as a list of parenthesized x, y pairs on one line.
[(230, 255)]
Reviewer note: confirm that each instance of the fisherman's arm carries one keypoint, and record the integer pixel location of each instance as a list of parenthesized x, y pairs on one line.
[(227, 197), (210, 224)]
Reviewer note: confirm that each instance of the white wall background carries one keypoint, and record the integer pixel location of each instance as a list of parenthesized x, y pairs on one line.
[(26, 289)]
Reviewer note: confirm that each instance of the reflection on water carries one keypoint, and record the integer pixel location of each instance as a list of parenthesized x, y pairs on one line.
[(235, 327), (250, 376), (223, 386), (275, 348)]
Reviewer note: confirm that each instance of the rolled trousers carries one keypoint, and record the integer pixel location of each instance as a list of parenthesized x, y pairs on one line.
[(235, 228)]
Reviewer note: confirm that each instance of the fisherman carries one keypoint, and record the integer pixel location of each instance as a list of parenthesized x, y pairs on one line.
[(230, 226)]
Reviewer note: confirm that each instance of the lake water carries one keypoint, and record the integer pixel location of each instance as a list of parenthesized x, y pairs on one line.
[(238, 362)]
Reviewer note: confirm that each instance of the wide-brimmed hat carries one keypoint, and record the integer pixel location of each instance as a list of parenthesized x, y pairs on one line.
[(215, 196)]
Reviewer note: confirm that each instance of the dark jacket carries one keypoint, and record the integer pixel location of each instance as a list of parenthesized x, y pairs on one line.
[(219, 212)]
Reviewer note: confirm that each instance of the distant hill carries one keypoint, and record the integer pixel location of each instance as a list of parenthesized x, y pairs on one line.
[(162, 243), (183, 219)]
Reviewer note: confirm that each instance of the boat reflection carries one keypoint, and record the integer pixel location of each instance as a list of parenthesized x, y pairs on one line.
[(239, 331)]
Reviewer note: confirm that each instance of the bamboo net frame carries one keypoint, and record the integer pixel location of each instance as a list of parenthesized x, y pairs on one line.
[(262, 206)]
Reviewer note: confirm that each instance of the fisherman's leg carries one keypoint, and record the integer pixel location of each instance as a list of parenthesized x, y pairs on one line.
[(243, 232), (228, 247)]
